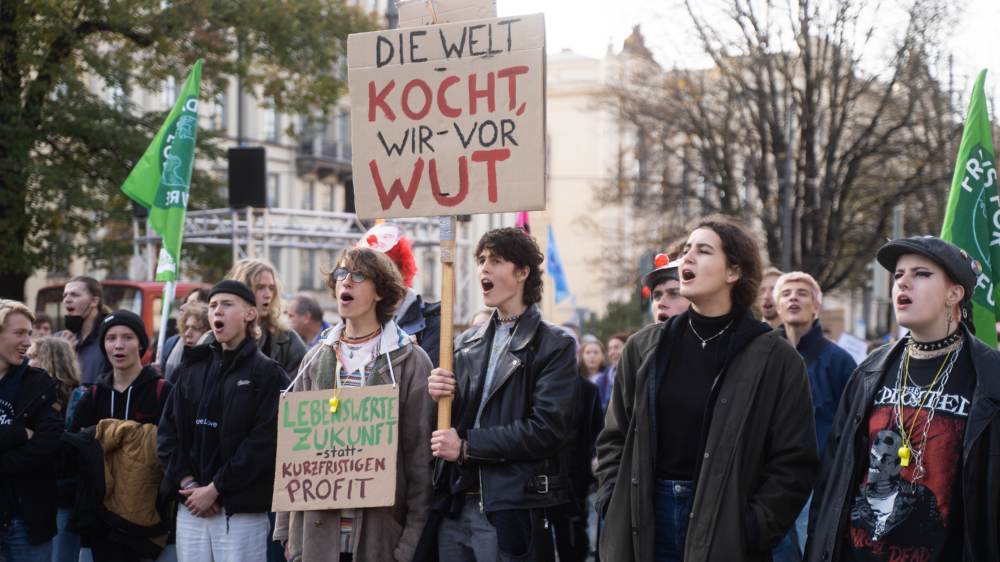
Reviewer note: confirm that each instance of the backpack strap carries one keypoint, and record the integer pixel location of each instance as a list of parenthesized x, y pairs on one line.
[(160, 383)]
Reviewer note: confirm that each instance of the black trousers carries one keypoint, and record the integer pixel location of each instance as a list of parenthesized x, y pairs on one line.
[(569, 523)]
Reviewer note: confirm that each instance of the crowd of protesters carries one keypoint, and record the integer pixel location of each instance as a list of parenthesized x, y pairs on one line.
[(729, 428)]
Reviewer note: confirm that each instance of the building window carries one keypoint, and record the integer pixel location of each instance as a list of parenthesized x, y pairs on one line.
[(325, 195), (272, 125), (307, 270), (333, 198), (344, 133), (309, 196), (273, 190), (218, 115), (168, 94), (274, 256)]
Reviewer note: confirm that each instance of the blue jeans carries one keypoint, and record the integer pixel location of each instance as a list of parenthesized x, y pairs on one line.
[(66, 544), (672, 508), (17, 547), (792, 546)]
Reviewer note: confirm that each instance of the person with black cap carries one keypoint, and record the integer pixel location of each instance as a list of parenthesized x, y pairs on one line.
[(128, 391), (663, 287), (218, 435), (910, 467)]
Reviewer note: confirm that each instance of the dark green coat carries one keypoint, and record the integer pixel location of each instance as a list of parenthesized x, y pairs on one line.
[(758, 466)]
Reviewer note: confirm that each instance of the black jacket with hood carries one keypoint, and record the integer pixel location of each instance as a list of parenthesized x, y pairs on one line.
[(27, 465), (143, 401), (220, 425), (846, 456)]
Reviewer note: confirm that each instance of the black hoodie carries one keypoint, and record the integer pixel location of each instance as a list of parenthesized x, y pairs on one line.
[(143, 401), (27, 473), (221, 425)]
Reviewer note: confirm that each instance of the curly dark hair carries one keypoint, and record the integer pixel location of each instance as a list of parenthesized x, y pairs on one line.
[(741, 249), (519, 248), (379, 268)]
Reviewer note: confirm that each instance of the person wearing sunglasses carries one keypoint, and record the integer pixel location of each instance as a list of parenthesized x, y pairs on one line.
[(368, 348), (416, 316)]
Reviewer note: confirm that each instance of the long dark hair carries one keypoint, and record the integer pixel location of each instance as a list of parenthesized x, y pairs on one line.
[(742, 252)]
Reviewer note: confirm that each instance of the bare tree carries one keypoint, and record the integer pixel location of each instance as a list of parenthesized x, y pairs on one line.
[(797, 128)]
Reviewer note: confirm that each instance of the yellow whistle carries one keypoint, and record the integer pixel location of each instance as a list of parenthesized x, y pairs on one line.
[(904, 456), (334, 404)]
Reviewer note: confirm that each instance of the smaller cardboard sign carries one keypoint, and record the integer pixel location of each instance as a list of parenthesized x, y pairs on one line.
[(336, 460)]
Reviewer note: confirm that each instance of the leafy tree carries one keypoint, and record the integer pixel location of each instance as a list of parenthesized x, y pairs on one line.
[(64, 151)]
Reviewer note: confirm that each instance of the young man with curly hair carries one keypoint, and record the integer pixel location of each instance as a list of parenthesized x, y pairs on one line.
[(514, 388)]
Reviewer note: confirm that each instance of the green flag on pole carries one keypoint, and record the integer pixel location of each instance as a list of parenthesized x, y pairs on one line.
[(162, 177), (972, 220)]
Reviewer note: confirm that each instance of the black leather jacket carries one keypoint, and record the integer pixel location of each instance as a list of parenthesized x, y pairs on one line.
[(516, 456), (846, 457)]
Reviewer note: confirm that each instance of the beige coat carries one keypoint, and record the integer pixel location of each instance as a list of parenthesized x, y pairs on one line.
[(383, 533)]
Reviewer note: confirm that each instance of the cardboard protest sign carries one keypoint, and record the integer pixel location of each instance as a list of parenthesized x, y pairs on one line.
[(337, 460), (413, 13), (449, 119)]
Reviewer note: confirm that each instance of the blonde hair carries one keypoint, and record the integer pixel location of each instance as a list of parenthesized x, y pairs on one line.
[(801, 277), (196, 312), (8, 307), (772, 271), (246, 271), (57, 357)]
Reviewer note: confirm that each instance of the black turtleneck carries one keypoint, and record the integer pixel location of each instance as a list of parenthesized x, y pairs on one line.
[(685, 390)]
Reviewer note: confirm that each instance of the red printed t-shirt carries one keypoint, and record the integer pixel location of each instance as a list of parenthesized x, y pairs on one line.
[(897, 514)]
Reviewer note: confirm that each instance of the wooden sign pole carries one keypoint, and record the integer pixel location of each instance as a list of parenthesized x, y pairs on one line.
[(447, 232)]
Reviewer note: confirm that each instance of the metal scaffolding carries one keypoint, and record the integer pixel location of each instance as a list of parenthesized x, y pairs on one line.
[(251, 233)]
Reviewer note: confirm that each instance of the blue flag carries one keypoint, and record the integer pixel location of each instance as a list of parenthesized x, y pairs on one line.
[(555, 269)]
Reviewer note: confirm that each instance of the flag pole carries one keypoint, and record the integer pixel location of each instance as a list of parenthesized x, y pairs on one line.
[(447, 244), (168, 299)]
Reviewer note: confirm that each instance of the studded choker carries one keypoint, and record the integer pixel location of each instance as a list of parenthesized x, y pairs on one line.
[(929, 350)]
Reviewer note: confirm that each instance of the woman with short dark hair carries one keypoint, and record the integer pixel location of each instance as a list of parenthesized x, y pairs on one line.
[(708, 451), (366, 349)]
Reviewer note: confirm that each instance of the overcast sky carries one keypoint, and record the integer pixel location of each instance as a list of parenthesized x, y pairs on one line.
[(589, 26)]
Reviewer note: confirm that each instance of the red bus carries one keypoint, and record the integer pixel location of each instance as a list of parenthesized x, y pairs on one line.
[(144, 298)]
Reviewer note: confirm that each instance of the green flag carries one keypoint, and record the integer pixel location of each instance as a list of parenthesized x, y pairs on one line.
[(972, 220), (162, 177)]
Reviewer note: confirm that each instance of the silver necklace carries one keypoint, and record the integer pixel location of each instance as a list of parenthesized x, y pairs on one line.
[(932, 401), (704, 341)]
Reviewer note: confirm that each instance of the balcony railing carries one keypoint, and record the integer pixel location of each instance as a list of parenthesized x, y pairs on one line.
[(319, 158)]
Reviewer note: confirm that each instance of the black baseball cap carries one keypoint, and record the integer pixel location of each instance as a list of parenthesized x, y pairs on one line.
[(956, 262)]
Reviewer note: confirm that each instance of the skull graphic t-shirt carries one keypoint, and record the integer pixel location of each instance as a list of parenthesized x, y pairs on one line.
[(910, 509)]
